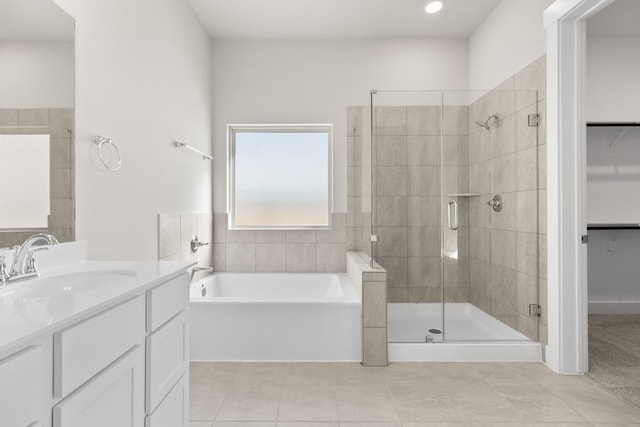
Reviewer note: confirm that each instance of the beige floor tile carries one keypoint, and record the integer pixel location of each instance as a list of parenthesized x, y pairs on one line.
[(458, 373), (219, 376), (356, 374), (308, 403), (412, 372), (435, 424), (510, 374), (598, 405), (400, 395), (365, 403), (204, 406), (539, 404), (307, 424), (615, 424), (371, 424), (311, 374), (429, 410), (250, 403), (408, 391), (243, 424), (532, 425), (261, 374), (481, 403)]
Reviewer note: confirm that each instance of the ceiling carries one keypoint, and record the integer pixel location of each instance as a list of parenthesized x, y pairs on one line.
[(619, 19), (338, 19), (34, 20)]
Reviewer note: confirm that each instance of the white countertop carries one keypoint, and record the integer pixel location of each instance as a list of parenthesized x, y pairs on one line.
[(74, 289)]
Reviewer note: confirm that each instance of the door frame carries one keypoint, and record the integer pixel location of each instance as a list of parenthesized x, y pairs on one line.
[(565, 25)]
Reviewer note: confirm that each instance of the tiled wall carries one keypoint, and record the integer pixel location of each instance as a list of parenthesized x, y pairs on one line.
[(509, 159), (370, 285), (59, 123), (174, 238), (280, 250), (501, 264), (408, 190)]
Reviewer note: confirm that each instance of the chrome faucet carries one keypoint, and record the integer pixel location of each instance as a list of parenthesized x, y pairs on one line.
[(198, 268), (4, 273), (24, 265)]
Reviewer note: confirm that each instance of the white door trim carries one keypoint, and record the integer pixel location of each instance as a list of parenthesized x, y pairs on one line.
[(565, 24)]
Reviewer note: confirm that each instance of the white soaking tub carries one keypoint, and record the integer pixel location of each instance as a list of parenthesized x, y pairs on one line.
[(275, 317)]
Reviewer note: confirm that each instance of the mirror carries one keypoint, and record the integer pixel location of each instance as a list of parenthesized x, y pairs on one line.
[(37, 97)]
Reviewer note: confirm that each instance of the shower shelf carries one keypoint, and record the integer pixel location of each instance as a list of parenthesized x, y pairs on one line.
[(463, 194)]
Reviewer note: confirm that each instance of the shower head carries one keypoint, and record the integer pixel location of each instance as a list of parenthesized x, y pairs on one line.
[(484, 124)]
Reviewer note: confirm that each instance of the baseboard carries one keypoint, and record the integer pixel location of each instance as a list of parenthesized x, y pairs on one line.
[(617, 307)]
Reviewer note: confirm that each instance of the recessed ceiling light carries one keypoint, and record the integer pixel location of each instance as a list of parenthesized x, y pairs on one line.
[(433, 6)]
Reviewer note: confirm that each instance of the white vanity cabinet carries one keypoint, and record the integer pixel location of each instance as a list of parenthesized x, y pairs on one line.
[(112, 398), (21, 397), (98, 369), (122, 364), (167, 397)]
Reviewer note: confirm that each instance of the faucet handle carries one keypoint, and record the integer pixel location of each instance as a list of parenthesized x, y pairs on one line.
[(196, 244), (4, 273), (31, 261)]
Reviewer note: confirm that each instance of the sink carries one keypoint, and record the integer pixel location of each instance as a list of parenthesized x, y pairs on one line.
[(42, 300), (84, 281)]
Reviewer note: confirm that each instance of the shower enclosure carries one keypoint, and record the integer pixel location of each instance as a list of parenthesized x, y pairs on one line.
[(454, 194)]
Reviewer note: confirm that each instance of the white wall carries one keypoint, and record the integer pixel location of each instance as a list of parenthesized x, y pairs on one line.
[(613, 79), (507, 41), (36, 75), (314, 82), (143, 72)]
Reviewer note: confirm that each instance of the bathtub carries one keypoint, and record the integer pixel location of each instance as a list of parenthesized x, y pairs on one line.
[(275, 317)]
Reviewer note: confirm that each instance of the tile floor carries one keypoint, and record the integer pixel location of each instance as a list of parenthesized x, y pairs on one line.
[(400, 395)]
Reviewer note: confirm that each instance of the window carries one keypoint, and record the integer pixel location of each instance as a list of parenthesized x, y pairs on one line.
[(279, 176)]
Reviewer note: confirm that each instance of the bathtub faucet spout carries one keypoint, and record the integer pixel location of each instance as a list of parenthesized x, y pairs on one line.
[(207, 269)]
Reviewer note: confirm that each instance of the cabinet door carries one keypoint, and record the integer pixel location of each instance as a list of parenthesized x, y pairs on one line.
[(173, 411), (115, 397), (167, 358), (89, 346), (21, 388), (166, 300)]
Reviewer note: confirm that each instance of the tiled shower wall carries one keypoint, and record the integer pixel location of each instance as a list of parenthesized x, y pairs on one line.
[(501, 265), (408, 189), (280, 250), (508, 249), (59, 124)]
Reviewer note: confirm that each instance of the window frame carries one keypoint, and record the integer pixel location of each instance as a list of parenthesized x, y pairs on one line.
[(233, 129)]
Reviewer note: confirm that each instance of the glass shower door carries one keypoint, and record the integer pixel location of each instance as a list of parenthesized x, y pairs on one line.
[(456, 190), (454, 205), (406, 127)]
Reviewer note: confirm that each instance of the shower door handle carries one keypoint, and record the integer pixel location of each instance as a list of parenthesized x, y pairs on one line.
[(452, 215)]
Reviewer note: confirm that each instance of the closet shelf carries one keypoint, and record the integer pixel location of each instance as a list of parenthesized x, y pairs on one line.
[(613, 124), (613, 226)]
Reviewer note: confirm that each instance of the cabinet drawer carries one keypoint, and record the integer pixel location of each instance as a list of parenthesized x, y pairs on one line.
[(113, 398), (167, 358), (166, 300), (83, 350), (173, 411), (21, 388)]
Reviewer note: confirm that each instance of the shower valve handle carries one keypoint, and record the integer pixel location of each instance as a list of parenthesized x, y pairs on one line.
[(496, 203)]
